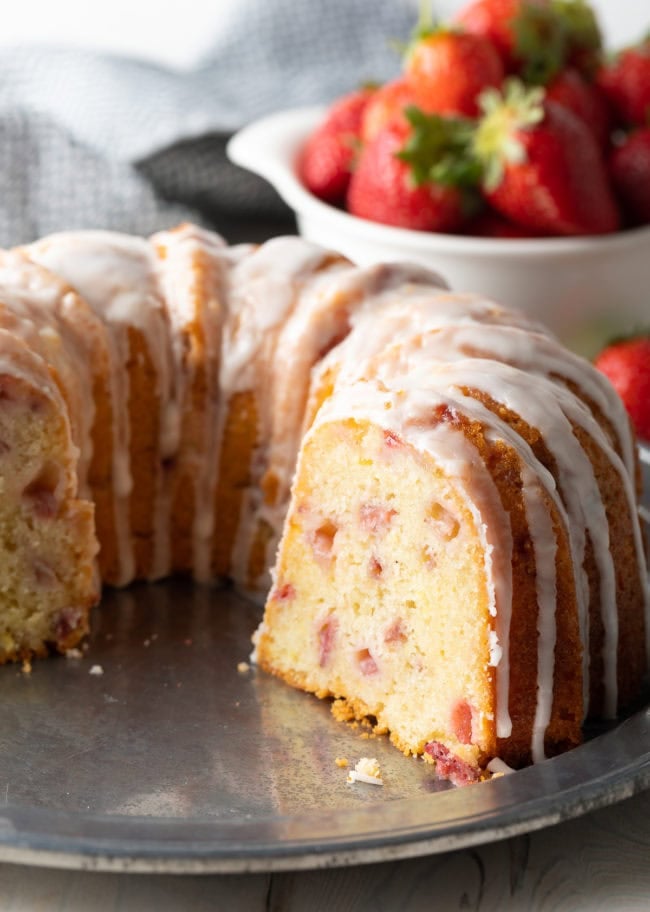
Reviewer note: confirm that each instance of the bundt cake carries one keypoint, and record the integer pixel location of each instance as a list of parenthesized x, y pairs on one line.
[(461, 558)]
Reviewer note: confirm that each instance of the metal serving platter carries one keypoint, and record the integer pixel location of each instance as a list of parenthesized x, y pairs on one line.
[(172, 759)]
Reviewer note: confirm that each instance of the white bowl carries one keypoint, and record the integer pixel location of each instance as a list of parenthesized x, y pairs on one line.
[(585, 289)]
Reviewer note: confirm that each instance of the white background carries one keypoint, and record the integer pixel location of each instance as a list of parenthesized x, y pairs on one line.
[(176, 32)]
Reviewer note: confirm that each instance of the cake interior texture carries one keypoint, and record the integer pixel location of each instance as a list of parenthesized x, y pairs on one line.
[(442, 500)]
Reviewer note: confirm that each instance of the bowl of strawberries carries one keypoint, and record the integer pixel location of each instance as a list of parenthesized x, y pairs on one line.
[(511, 154)]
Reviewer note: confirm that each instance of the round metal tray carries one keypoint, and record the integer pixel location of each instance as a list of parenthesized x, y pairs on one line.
[(172, 759)]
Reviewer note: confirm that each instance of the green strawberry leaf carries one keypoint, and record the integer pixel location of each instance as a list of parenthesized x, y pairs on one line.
[(426, 22), (639, 333), (580, 24), (440, 150), (541, 43), (426, 26), (583, 35)]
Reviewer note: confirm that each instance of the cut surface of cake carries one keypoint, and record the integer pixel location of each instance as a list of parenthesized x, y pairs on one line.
[(460, 555)]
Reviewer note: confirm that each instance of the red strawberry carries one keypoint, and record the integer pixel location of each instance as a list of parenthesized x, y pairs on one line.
[(543, 167), (387, 185), (627, 364), (447, 70), (571, 90), (626, 82), (527, 33), (329, 152), (385, 105), (630, 171)]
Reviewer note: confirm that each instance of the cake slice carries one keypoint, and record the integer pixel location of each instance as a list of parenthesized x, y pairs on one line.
[(394, 589), (462, 560)]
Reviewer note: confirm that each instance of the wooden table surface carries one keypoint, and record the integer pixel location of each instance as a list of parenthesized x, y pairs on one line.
[(598, 862)]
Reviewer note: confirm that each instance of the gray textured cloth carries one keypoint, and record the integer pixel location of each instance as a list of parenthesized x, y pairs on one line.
[(91, 140)]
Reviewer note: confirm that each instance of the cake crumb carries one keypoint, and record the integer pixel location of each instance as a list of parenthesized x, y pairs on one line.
[(73, 654), (342, 762), (498, 768), (243, 667), (96, 670), (367, 770), (342, 711), (27, 667)]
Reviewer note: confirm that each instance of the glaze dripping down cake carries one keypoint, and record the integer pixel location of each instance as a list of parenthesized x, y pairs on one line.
[(460, 552)]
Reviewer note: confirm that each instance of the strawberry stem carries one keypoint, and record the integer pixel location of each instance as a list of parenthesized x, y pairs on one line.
[(440, 150), (541, 43), (425, 23), (426, 26), (580, 24), (496, 142)]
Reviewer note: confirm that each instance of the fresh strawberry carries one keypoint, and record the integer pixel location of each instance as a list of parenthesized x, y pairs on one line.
[(584, 40), (630, 171), (571, 90), (386, 105), (447, 69), (627, 364), (411, 174), (528, 34), (542, 166), (328, 154), (626, 82)]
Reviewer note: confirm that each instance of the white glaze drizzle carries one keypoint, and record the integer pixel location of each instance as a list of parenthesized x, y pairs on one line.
[(51, 318), (192, 263), (325, 307), (115, 274), (545, 548), (20, 361), (268, 289), (327, 293)]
